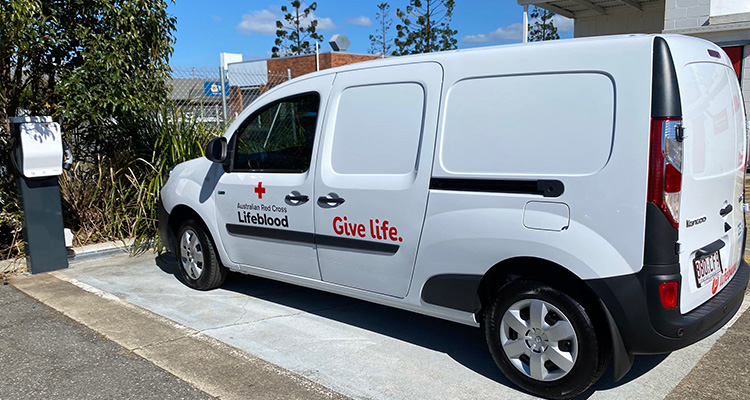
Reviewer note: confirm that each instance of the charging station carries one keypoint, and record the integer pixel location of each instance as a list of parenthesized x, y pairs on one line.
[(38, 158)]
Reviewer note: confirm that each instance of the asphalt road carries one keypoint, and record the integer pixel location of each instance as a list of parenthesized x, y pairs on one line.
[(46, 355)]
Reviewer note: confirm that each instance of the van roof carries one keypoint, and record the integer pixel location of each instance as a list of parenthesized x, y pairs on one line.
[(443, 56)]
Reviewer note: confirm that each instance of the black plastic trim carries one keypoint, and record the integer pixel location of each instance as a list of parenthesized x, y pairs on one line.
[(356, 244), (454, 291), (706, 250), (665, 92), (271, 233), (622, 361), (311, 238), (660, 240), (647, 327), (167, 237), (546, 188)]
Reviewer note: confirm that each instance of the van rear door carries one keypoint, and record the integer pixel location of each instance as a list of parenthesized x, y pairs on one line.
[(711, 222)]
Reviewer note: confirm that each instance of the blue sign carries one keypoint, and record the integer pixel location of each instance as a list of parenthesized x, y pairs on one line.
[(211, 89)]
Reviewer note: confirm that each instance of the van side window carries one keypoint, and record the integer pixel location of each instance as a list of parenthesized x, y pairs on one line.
[(278, 137), (378, 129)]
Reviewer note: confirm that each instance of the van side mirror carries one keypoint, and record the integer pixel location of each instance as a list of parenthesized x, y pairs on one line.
[(216, 150)]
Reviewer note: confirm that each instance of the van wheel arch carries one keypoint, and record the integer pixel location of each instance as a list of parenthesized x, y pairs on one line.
[(559, 277), (181, 213), (537, 269)]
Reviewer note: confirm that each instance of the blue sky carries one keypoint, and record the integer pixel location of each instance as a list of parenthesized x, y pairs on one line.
[(207, 28)]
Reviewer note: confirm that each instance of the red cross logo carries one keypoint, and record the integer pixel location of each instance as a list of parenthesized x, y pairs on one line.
[(260, 190)]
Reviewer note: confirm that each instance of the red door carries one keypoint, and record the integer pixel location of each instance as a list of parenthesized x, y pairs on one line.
[(735, 55)]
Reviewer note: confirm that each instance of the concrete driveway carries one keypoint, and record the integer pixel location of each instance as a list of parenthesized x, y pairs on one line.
[(355, 348)]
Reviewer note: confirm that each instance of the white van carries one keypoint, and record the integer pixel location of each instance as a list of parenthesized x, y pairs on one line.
[(581, 200)]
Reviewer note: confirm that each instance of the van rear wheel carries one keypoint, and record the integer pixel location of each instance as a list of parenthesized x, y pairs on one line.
[(196, 254), (543, 340)]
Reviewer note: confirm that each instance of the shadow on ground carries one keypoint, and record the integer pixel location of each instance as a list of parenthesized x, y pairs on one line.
[(465, 344)]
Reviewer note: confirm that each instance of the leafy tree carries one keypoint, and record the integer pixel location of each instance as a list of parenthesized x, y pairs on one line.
[(544, 26), (293, 35), (99, 66), (425, 27), (380, 42)]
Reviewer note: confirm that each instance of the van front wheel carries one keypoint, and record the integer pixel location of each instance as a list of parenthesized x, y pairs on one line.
[(543, 340), (196, 254)]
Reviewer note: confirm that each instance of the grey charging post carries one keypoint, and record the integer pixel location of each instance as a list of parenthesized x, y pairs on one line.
[(38, 158)]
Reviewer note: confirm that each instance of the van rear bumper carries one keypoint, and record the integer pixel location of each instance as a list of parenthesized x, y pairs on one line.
[(647, 327)]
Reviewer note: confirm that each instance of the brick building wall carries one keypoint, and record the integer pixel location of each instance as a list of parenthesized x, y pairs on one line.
[(300, 65)]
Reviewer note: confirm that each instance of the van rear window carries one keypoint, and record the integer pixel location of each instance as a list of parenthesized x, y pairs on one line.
[(552, 124)]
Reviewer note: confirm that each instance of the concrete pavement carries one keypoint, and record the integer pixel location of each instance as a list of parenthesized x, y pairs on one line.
[(339, 345)]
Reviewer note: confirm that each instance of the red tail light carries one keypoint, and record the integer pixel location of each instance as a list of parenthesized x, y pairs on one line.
[(665, 167), (668, 294)]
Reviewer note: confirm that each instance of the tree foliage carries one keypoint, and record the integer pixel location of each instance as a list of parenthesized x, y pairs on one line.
[(543, 27), (293, 35), (380, 42), (425, 27), (90, 63), (100, 68)]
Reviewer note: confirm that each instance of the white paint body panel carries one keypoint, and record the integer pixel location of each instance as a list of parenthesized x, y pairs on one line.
[(239, 189), (713, 162), (600, 99), (401, 102)]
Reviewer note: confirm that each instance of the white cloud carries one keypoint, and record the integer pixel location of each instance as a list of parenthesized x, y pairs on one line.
[(564, 25), (515, 31), (324, 24), (264, 22), (359, 21), (510, 32), (258, 21), (216, 18)]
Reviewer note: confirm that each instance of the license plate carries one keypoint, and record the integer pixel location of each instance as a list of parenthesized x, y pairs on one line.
[(707, 268)]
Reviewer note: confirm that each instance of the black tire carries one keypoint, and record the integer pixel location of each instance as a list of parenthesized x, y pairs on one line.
[(588, 352), (212, 273)]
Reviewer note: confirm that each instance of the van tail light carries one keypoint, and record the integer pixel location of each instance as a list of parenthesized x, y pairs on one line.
[(668, 294), (665, 167)]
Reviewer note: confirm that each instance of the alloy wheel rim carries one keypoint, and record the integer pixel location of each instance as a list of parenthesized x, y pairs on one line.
[(538, 339), (191, 258)]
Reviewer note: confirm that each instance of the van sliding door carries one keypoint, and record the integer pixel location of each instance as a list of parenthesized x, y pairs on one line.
[(373, 175)]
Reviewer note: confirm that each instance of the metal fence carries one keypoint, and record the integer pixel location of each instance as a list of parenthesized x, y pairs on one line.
[(197, 91)]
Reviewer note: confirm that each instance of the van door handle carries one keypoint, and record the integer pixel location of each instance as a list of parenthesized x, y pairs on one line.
[(726, 210), (297, 198), (333, 202)]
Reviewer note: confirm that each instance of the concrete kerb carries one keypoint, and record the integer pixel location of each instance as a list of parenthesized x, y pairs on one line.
[(75, 255)]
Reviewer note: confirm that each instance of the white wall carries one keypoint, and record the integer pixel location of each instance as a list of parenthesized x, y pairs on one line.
[(727, 7), (626, 20), (248, 73), (686, 14)]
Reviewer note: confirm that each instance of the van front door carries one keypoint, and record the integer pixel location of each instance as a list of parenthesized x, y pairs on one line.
[(265, 202), (374, 173)]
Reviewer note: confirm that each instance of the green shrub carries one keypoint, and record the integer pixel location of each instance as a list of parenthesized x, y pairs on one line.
[(176, 137)]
